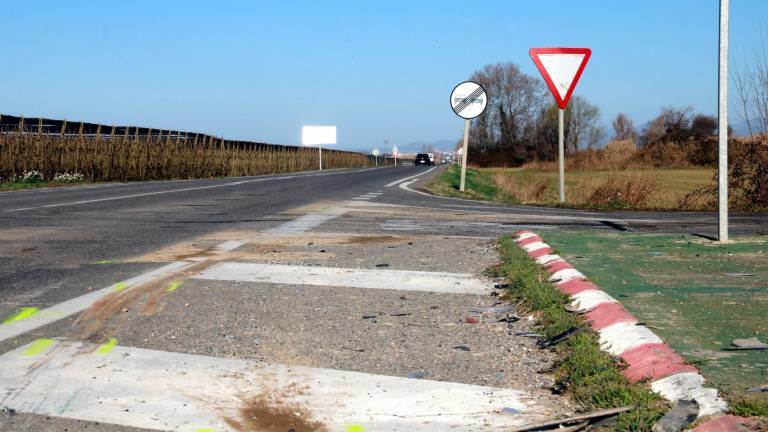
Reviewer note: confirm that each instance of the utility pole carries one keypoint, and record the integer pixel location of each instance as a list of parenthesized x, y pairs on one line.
[(722, 148), (386, 141)]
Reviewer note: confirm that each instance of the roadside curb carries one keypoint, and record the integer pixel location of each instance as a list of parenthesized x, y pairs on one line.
[(647, 356)]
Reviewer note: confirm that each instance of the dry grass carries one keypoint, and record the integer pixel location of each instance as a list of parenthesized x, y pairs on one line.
[(130, 158), (639, 189)]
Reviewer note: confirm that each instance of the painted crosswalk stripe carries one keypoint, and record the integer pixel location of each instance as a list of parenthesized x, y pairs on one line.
[(78, 304), (173, 391), (455, 283)]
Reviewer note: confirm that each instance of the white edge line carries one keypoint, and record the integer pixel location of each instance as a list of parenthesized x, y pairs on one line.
[(408, 178)]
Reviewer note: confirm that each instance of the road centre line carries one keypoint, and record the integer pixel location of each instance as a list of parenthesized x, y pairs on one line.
[(159, 390), (452, 283), (237, 183), (408, 178)]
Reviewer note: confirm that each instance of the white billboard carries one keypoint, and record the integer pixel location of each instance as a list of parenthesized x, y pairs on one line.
[(318, 135)]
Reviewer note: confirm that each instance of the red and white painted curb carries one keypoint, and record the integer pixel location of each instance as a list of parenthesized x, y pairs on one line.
[(620, 334)]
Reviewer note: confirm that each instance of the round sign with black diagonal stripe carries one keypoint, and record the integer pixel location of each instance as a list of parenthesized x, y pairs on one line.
[(468, 100)]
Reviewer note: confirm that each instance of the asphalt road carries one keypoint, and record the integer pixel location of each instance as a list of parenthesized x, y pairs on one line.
[(400, 270)]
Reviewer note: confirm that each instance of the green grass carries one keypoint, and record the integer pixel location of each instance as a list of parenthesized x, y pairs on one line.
[(750, 407), (478, 185), (14, 186), (588, 374)]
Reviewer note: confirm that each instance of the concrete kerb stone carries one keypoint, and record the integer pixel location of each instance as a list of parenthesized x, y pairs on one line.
[(646, 355)]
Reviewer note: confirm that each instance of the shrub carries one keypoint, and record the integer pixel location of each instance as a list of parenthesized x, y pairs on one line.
[(74, 177), (623, 192), (747, 179), (31, 176)]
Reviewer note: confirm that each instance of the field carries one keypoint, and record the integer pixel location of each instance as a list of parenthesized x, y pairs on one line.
[(111, 157), (651, 188)]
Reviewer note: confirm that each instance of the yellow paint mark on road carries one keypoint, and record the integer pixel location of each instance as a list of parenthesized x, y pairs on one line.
[(24, 312), (120, 286), (205, 430), (107, 347), (173, 286), (355, 428), (38, 347)]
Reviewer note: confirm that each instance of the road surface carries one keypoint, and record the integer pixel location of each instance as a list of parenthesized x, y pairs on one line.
[(336, 300)]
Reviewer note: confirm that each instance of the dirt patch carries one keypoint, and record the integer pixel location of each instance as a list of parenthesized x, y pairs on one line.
[(97, 322), (273, 412)]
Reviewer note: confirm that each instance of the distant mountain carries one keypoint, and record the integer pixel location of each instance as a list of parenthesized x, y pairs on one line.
[(439, 145), (414, 147)]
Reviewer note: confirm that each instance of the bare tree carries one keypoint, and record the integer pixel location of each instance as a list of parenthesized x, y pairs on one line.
[(581, 128), (751, 84), (672, 124), (514, 98), (624, 128)]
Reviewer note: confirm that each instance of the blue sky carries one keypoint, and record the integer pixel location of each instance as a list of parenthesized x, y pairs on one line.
[(259, 70)]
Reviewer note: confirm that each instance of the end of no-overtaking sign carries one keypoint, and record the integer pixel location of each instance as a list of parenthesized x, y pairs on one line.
[(468, 100)]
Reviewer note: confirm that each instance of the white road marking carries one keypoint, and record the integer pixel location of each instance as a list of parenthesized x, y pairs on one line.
[(409, 177), (83, 302), (687, 386), (159, 390), (454, 283), (237, 183)]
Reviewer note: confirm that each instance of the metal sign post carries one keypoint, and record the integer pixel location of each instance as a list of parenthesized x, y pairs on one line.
[(468, 100), (561, 150), (722, 147), (395, 152), (319, 136), (375, 153), (561, 69), (464, 146)]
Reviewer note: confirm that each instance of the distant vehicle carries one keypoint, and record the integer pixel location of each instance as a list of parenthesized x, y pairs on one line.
[(422, 159)]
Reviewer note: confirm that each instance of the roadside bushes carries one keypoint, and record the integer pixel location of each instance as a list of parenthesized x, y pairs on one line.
[(747, 179)]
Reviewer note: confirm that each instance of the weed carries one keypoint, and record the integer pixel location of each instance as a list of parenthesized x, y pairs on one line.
[(589, 375)]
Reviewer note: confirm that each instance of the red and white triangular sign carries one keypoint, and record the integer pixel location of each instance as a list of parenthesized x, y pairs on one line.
[(561, 69)]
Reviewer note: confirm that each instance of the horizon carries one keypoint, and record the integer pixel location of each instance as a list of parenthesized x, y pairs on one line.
[(141, 65)]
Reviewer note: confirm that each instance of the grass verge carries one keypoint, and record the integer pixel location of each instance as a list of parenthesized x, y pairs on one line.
[(636, 189), (479, 185), (14, 186), (591, 376)]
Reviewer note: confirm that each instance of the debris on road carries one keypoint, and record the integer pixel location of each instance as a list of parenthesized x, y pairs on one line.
[(556, 339), (758, 389), (417, 374), (470, 320), (382, 265), (493, 309), (574, 423), (748, 344), (529, 334), (508, 410), (461, 348), (738, 274), (679, 417)]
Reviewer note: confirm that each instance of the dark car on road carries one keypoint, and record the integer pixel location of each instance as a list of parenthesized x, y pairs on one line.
[(422, 159)]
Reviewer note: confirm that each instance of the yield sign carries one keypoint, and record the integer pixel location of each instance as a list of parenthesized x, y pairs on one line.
[(561, 69)]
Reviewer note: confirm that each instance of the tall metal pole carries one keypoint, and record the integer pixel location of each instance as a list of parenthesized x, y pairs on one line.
[(464, 156), (722, 148), (561, 150), (320, 152)]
